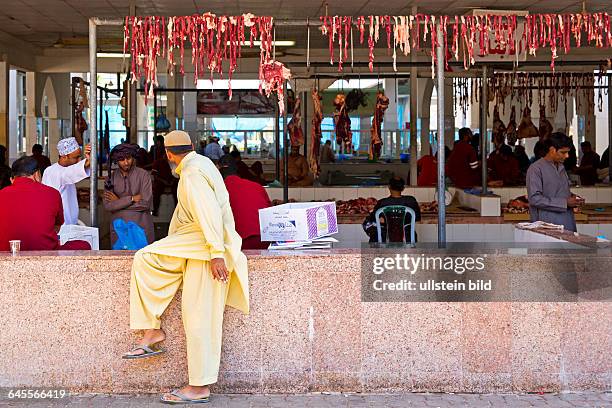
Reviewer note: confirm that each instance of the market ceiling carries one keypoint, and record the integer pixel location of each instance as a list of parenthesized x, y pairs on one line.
[(44, 23)]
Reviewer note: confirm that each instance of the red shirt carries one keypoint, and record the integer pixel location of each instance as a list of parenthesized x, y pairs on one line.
[(462, 166), (29, 212), (428, 171), (246, 199)]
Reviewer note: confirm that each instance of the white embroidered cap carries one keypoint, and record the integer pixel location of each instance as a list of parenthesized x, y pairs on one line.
[(67, 146)]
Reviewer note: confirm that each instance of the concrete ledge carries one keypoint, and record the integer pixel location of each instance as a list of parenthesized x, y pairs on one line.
[(65, 324)]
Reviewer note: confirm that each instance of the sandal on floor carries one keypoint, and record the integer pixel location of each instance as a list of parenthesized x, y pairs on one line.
[(149, 351), (183, 399)]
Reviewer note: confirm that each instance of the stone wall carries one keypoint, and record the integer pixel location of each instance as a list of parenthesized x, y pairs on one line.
[(65, 324)]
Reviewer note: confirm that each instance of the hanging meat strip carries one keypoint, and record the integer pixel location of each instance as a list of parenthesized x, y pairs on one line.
[(546, 128), (315, 134), (382, 103), (342, 123), (526, 128), (295, 125), (511, 134), (499, 129)]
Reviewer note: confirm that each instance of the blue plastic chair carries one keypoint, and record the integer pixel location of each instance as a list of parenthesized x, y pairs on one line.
[(396, 211)]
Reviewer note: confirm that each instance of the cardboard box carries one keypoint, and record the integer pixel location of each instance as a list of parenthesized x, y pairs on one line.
[(298, 221)]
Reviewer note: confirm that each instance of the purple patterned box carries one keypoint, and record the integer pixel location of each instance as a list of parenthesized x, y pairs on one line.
[(298, 221)]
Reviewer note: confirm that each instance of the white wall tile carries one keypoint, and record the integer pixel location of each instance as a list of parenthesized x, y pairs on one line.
[(320, 193), (506, 233), (427, 232), (492, 232), (604, 195), (476, 233), (461, 233), (378, 192), (421, 194), (587, 229), (350, 193), (307, 194), (295, 193), (275, 193), (588, 193)]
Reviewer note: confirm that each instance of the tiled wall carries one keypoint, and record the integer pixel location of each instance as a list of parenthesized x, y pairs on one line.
[(422, 194), (352, 235), (590, 194)]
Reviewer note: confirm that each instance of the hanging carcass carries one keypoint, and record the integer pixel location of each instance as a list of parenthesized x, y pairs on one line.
[(376, 143)]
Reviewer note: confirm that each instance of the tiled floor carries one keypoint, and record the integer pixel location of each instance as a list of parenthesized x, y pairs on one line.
[(593, 400)]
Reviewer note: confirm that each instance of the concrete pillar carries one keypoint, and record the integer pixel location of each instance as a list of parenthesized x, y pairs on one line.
[(390, 118), (190, 109), (142, 122), (31, 111), (425, 88), (364, 136), (171, 101), (586, 115), (4, 103), (179, 83)]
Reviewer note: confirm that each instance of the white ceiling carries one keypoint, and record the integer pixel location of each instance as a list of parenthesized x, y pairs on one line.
[(40, 22)]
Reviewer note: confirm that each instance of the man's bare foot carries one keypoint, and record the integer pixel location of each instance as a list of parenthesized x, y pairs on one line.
[(189, 391), (151, 336)]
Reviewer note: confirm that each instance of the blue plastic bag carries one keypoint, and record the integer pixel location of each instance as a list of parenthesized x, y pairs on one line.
[(130, 236)]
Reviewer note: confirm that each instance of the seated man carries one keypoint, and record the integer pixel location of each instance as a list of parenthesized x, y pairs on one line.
[(5, 171), (43, 161), (128, 193), (462, 165), (396, 186), (588, 165), (298, 169), (504, 168), (427, 170), (246, 199), (327, 154), (32, 212), (246, 172)]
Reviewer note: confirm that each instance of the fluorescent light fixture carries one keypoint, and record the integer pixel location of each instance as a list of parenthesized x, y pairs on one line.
[(112, 55), (278, 43)]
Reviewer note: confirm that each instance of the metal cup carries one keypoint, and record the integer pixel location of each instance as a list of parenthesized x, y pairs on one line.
[(15, 246)]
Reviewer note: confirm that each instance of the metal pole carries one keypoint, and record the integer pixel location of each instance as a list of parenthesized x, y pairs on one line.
[(93, 131), (100, 130), (441, 175), (609, 128), (413, 125), (285, 150), (154, 113), (277, 142), (305, 122), (484, 111)]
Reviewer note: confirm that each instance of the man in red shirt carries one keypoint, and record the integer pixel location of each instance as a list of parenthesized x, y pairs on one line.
[(32, 212), (462, 165), (427, 169), (503, 167), (246, 199)]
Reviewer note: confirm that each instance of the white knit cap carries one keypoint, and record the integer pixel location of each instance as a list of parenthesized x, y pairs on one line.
[(67, 146)]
